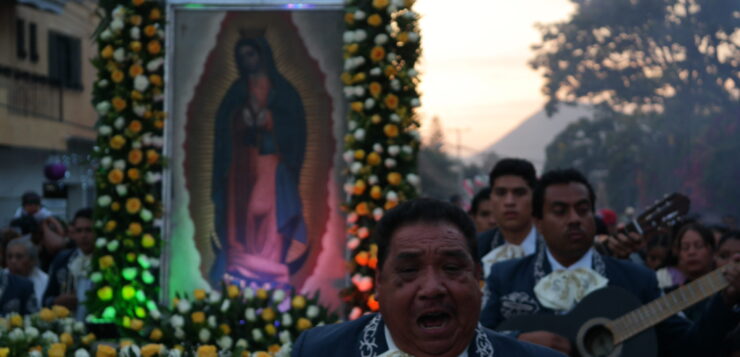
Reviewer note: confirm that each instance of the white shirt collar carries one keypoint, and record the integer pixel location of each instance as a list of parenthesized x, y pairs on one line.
[(586, 261), (392, 345), (529, 244)]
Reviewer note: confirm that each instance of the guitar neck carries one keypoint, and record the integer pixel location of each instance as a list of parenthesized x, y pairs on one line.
[(666, 306)]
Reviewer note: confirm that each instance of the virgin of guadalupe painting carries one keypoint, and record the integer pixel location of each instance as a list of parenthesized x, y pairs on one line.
[(257, 161)]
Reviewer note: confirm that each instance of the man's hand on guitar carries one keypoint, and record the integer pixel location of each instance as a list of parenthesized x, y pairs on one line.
[(731, 293), (622, 244), (547, 339)]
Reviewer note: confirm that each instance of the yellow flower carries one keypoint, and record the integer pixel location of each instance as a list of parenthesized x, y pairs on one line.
[(156, 335), (115, 176), (57, 350), (261, 354), (152, 157), (390, 130), (225, 328), (4, 351), (88, 339), (135, 229), (359, 77), (198, 317), (135, 125), (154, 47), (117, 142), (232, 291), (118, 103), (375, 89), (150, 349), (159, 124), (137, 324), (47, 315), (349, 18), (376, 192), (352, 48), (268, 314), (298, 302), (374, 20), (135, 46), (346, 78), (147, 241), (67, 339), (60, 311), (155, 14), (270, 329), (380, 4), (403, 37), (394, 178), (115, 207), (137, 2), (376, 119), (262, 294), (199, 294), (155, 80), (110, 226), (303, 324), (373, 159), (135, 156), (150, 31), (136, 95), (377, 54), (356, 106), (207, 351), (274, 348), (106, 262), (107, 52), (105, 351), (117, 76), (135, 20), (133, 174), (391, 101), (359, 187)]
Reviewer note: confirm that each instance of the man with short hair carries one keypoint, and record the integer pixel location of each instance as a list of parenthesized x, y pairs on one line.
[(481, 211), (68, 276), (427, 286), (22, 257), (563, 210)]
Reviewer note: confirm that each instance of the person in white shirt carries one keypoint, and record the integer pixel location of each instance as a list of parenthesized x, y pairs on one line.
[(22, 258)]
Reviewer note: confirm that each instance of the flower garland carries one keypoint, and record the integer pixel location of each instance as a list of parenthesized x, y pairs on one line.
[(232, 322), (382, 45), (128, 97)]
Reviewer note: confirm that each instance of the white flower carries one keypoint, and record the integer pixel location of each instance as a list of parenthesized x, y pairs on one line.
[(360, 15), (50, 337), (135, 33), (116, 25), (349, 64), (397, 3), (119, 123), (381, 39), (360, 35), (214, 297), (348, 156), (96, 277), (412, 73), (349, 187), (225, 305), (391, 196), (79, 326), (285, 350), (256, 334), (413, 179), (353, 243), (177, 321), (242, 343), (119, 164), (372, 180), (106, 35), (410, 15), (349, 91), (105, 130), (249, 293), (136, 144), (154, 262), (139, 110), (415, 102), (369, 103), (360, 134), (390, 56), (81, 352), (278, 295), (390, 163), (106, 162), (204, 335), (104, 201), (395, 118), (152, 178), (130, 350), (312, 311), (250, 314), (119, 12), (112, 246), (16, 335), (378, 148), (32, 332), (225, 342), (407, 149), (287, 320), (174, 353), (179, 333), (355, 167), (154, 65), (212, 323), (141, 83), (358, 61), (103, 83), (393, 150), (155, 314), (396, 85), (348, 37), (359, 91), (392, 9), (119, 54), (121, 190), (413, 36), (378, 213), (376, 71), (103, 107), (284, 336), (146, 215), (35, 353)]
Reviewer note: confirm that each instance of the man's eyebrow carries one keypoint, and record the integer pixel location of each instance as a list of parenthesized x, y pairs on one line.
[(455, 253), (408, 255)]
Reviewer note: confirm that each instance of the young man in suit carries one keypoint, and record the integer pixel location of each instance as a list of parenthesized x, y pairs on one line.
[(427, 286), (563, 210)]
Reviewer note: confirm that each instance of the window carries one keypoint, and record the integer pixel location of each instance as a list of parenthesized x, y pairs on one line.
[(65, 60), (20, 38), (33, 44)]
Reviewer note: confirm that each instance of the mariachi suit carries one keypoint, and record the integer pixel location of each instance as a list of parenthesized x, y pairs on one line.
[(492, 239), (58, 275), (511, 288), (365, 337), (16, 295)]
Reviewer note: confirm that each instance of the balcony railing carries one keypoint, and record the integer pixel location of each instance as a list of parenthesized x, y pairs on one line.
[(31, 95)]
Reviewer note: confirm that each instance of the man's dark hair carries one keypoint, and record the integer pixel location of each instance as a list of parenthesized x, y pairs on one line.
[(482, 195), (516, 167), (557, 177), (730, 235), (31, 198), (86, 212), (423, 210), (25, 224)]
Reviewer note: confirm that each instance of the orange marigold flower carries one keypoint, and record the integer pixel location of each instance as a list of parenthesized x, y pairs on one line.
[(154, 47), (303, 324), (373, 304), (349, 18), (376, 192), (135, 126), (403, 37), (136, 95), (159, 124), (133, 174), (152, 156), (391, 101), (117, 142), (373, 159), (115, 176), (150, 30), (380, 4), (135, 156), (232, 291), (374, 20), (390, 130), (155, 80), (377, 54), (135, 46), (352, 48), (135, 70), (135, 20), (375, 89), (361, 258), (156, 335), (137, 324), (362, 209), (106, 262), (346, 78), (274, 348), (137, 2), (198, 317), (107, 52), (207, 351), (390, 204), (359, 188), (135, 229), (118, 103), (133, 205), (225, 328), (376, 119), (356, 106), (115, 206), (155, 14), (394, 178), (117, 76), (151, 349), (390, 71)]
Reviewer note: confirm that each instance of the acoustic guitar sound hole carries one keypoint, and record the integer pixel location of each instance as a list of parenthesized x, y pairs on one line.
[(598, 341)]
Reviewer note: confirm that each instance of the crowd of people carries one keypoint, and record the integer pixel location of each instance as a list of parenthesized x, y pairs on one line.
[(44, 259)]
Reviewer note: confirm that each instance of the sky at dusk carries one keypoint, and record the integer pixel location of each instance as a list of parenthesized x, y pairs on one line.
[(475, 72)]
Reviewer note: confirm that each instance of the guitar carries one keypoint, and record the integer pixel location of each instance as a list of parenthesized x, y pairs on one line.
[(611, 322)]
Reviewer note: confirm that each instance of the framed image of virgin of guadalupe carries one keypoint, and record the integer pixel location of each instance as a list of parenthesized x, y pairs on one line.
[(256, 107)]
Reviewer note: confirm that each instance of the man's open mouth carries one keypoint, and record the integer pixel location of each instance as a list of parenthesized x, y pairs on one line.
[(433, 320)]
